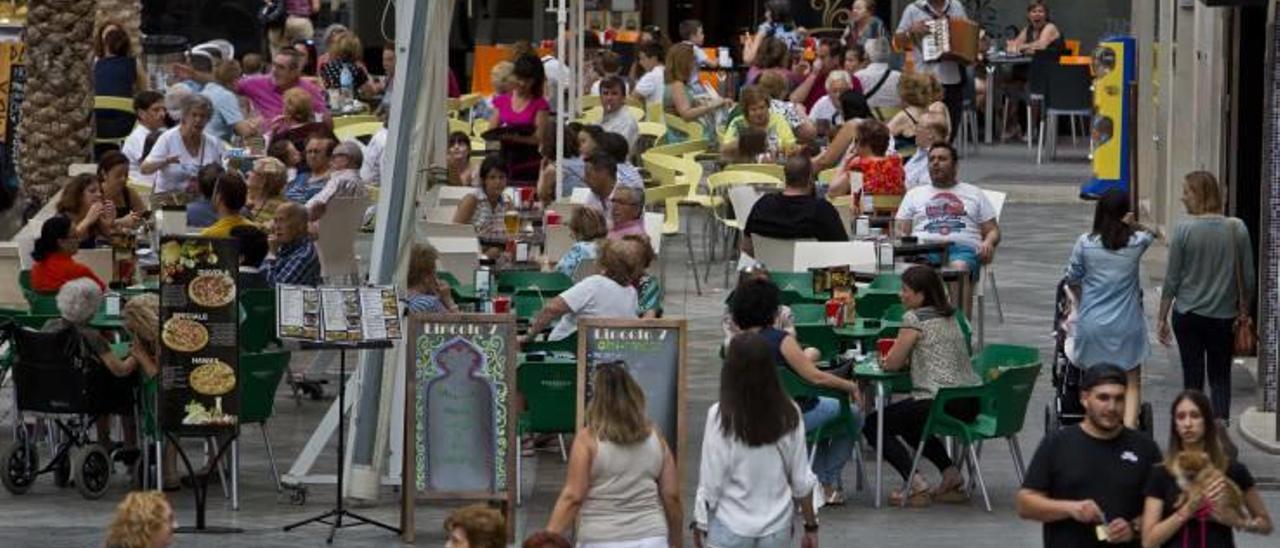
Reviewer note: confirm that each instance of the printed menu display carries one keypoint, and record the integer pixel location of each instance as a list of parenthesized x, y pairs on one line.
[(198, 350), (338, 314)]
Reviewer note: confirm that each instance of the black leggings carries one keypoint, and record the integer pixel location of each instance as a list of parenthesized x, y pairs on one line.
[(953, 97), (1204, 344), (906, 419)]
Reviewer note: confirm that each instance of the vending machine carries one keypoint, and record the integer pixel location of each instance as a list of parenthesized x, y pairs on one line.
[(1111, 145)]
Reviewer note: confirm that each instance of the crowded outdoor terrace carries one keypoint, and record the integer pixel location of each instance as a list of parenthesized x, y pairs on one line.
[(460, 293)]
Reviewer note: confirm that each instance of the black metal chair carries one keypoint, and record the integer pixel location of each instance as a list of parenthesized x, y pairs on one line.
[(1069, 95)]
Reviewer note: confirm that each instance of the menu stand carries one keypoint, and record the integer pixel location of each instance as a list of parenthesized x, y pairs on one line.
[(200, 485), (333, 518)]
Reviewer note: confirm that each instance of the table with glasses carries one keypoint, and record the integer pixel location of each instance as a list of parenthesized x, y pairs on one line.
[(995, 62)]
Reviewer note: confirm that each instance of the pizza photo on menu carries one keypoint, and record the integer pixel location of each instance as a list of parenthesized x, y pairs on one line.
[(215, 378), (184, 334), (212, 289)]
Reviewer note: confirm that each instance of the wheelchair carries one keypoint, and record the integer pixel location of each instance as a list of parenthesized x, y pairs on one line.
[(58, 380)]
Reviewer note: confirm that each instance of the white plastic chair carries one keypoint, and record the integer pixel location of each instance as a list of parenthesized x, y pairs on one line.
[(452, 195), (776, 254), (337, 238), (99, 260), (559, 240), (997, 200), (653, 229), (741, 199), (10, 267), (825, 254)]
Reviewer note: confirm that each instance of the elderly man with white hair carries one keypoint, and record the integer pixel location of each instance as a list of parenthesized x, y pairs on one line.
[(627, 212), (344, 179), (828, 107), (879, 80)]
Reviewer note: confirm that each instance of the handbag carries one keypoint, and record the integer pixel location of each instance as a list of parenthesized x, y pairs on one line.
[(1244, 334), (272, 14)]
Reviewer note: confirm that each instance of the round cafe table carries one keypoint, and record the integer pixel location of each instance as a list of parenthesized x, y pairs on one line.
[(885, 382)]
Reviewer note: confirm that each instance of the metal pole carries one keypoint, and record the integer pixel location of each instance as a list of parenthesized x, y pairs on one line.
[(561, 21)]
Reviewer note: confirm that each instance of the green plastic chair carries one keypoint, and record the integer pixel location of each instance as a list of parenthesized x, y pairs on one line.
[(806, 313), (894, 313), (886, 282), (550, 393), (260, 374), (845, 424), (820, 336), (257, 320), (567, 344), (527, 305), (1003, 405), (874, 304), (546, 283), (995, 357)]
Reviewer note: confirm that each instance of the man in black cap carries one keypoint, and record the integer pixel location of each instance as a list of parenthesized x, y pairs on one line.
[(1085, 482)]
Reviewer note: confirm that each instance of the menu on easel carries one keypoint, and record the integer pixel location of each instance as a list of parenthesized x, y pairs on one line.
[(199, 318), (338, 314)]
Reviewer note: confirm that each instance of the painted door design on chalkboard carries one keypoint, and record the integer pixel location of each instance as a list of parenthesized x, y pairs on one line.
[(461, 416)]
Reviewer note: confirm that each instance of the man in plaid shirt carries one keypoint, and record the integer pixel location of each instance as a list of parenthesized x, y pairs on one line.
[(293, 258)]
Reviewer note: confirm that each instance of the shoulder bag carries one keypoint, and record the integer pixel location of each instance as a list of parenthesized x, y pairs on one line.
[(1244, 334), (273, 13)]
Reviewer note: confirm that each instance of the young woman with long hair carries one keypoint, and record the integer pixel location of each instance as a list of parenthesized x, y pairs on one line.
[(754, 461), (932, 346), (1102, 274), (622, 485), (1203, 519)]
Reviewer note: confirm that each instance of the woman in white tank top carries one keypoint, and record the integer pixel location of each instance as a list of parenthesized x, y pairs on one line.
[(622, 485)]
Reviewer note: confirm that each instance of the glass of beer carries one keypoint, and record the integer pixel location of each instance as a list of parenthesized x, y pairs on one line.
[(512, 220)]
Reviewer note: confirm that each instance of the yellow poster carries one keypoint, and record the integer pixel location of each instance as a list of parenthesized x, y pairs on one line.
[(11, 54)]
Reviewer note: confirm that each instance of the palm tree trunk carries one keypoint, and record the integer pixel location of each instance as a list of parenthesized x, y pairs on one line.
[(56, 128)]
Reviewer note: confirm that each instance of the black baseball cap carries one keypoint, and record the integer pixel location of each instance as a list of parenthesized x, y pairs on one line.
[(1103, 373)]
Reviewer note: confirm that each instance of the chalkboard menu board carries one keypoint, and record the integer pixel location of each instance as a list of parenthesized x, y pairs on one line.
[(654, 354), (460, 431), (199, 354)]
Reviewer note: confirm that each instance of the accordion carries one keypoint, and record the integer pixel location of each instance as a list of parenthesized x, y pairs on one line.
[(950, 40)]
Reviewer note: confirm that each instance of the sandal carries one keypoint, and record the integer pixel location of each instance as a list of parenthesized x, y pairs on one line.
[(951, 494), (919, 498), (835, 496)]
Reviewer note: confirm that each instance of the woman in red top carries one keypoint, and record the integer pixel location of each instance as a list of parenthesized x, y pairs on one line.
[(881, 175), (53, 253)]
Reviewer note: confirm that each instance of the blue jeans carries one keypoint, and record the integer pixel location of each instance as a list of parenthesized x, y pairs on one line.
[(832, 453), (719, 536), (966, 254)]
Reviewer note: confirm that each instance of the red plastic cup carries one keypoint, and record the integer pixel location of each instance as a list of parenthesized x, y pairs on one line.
[(553, 218), (501, 305), (884, 345), (834, 317), (526, 196)]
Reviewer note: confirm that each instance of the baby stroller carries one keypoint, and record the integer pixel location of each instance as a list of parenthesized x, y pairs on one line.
[(56, 376), (1065, 409)]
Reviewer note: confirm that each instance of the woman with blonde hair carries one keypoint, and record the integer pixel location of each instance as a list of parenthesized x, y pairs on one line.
[(143, 519), (298, 120), (426, 292), (266, 190), (678, 98), (608, 294), (921, 93), (588, 227), (345, 54), (622, 485), (1209, 282)]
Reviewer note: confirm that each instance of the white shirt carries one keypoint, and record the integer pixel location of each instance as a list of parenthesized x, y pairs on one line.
[(947, 214), (595, 87), (174, 177), (652, 85), (948, 72), (750, 489), (340, 184), (371, 170), (622, 123), (917, 169), (824, 109), (132, 149), (557, 80), (887, 96), (595, 296)]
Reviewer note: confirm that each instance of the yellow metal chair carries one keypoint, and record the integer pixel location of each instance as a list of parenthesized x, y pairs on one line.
[(653, 113), (592, 115), (827, 175), (670, 196), (635, 112), (356, 131), (653, 129), (691, 130), (479, 126), (681, 150), (344, 121), (117, 104), (772, 170), (455, 126), (884, 114), (589, 102)]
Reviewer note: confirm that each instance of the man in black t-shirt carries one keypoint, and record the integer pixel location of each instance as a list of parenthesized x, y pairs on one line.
[(1086, 482), (795, 213)]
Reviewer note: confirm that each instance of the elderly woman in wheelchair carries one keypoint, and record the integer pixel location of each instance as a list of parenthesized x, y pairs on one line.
[(78, 301)]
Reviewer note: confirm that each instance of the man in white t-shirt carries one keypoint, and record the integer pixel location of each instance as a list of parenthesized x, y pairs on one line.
[(148, 108), (609, 294), (651, 86), (951, 211), (617, 119), (879, 81)]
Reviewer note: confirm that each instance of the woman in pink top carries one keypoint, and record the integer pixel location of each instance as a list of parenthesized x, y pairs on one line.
[(524, 108)]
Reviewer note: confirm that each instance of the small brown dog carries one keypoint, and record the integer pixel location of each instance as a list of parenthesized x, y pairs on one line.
[(1194, 473)]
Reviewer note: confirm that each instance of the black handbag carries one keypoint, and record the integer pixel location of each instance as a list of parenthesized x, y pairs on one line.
[(273, 14)]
